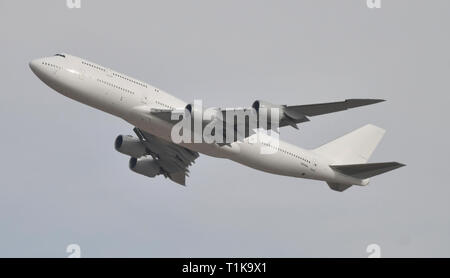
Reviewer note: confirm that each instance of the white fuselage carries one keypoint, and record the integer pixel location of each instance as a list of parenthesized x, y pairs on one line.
[(131, 100)]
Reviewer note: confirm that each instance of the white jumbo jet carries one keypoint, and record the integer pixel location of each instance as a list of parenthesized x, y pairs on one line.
[(341, 163)]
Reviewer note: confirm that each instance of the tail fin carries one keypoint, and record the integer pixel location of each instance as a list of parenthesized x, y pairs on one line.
[(355, 147), (364, 171)]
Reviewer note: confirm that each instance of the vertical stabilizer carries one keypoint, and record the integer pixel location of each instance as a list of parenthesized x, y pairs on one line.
[(355, 147)]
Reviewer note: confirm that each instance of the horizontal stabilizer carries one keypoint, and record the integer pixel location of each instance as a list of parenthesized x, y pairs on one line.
[(364, 171)]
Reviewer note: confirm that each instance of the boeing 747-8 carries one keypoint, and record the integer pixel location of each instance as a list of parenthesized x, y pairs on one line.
[(341, 163)]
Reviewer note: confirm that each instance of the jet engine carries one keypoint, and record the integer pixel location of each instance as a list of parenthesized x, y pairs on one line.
[(265, 109), (146, 166), (129, 145), (287, 115), (196, 110)]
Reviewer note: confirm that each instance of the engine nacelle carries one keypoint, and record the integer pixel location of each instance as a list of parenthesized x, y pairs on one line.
[(129, 145), (266, 110), (145, 166), (196, 110)]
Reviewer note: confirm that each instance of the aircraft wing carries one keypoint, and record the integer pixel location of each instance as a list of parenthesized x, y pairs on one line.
[(288, 115), (329, 107), (295, 114), (173, 160)]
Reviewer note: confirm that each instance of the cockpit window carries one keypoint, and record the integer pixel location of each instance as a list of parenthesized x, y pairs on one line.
[(61, 55)]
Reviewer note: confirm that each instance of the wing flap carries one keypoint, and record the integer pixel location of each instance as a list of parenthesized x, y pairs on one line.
[(178, 177), (173, 159)]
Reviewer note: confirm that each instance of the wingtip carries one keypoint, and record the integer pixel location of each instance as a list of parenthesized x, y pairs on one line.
[(372, 100), (397, 165), (357, 102)]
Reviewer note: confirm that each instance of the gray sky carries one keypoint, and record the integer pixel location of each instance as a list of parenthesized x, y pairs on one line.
[(62, 181)]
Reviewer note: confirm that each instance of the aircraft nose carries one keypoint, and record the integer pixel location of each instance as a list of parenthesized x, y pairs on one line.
[(34, 65)]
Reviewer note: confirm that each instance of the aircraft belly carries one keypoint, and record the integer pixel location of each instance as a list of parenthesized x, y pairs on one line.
[(250, 155)]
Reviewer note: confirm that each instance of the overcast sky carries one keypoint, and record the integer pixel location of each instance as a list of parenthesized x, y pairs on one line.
[(62, 181)]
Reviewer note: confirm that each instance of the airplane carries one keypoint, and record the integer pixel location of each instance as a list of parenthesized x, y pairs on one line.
[(341, 163)]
